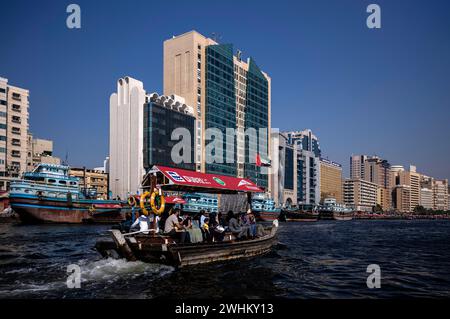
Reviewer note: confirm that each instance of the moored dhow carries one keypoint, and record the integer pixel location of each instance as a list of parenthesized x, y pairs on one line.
[(332, 210), (307, 213), (49, 195), (265, 208)]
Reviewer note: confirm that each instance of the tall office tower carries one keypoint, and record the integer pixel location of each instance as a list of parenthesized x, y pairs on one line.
[(360, 194), (331, 180), (13, 131), (162, 116), (378, 171), (308, 177), (126, 149), (305, 140), (228, 94), (357, 168)]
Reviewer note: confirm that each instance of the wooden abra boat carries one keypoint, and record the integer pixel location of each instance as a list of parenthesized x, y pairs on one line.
[(149, 246), (163, 249)]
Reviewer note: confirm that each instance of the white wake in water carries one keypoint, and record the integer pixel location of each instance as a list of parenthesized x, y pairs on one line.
[(111, 269)]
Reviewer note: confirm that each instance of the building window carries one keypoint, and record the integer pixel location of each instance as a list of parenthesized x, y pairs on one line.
[(15, 142), (16, 96), (15, 130), (2, 150), (2, 90), (16, 107), (2, 102), (2, 114), (15, 153), (16, 119), (2, 126)]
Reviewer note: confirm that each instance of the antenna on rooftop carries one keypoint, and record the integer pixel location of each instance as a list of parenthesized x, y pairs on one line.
[(66, 160)]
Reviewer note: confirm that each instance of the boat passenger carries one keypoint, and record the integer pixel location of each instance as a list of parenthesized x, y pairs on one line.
[(143, 222), (174, 228), (251, 223), (203, 215), (216, 230), (205, 230), (125, 225), (235, 227)]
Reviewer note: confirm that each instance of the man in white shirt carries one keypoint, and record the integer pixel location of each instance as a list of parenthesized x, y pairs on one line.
[(143, 222)]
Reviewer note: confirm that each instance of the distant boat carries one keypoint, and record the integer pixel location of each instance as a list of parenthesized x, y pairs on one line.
[(194, 203), (332, 210), (305, 213), (265, 208), (49, 195)]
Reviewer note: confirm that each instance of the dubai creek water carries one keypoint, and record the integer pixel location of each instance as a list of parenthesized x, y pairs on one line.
[(325, 259)]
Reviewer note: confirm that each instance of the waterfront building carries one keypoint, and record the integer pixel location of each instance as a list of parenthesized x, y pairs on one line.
[(360, 194), (162, 115), (426, 198), (440, 194), (331, 180), (40, 151), (402, 198), (412, 179), (308, 177), (305, 140), (226, 92), (283, 187), (378, 171), (357, 167), (126, 137), (14, 116), (92, 179)]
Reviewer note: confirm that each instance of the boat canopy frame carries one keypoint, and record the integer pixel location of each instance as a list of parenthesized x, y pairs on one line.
[(180, 180)]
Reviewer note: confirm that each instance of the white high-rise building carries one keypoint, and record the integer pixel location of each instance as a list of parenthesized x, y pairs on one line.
[(426, 198), (126, 139)]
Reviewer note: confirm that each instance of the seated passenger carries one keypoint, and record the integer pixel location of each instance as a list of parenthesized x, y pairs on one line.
[(205, 230), (216, 230), (174, 228), (251, 223), (203, 215), (235, 227), (143, 222)]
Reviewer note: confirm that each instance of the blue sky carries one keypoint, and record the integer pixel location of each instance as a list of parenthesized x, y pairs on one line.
[(384, 92)]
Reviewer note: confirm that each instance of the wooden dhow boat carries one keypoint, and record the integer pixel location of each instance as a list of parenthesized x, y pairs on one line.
[(151, 246)]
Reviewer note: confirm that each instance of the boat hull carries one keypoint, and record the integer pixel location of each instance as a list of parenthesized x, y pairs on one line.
[(330, 215), (267, 216), (161, 249), (301, 216), (47, 210)]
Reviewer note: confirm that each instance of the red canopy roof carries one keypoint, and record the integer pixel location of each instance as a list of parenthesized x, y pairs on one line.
[(185, 180), (174, 200)]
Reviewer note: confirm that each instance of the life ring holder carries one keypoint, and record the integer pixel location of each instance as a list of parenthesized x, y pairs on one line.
[(155, 210), (132, 201)]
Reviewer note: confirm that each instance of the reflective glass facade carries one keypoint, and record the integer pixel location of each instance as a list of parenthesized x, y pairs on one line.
[(159, 123), (220, 107), (256, 117), (289, 169)]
